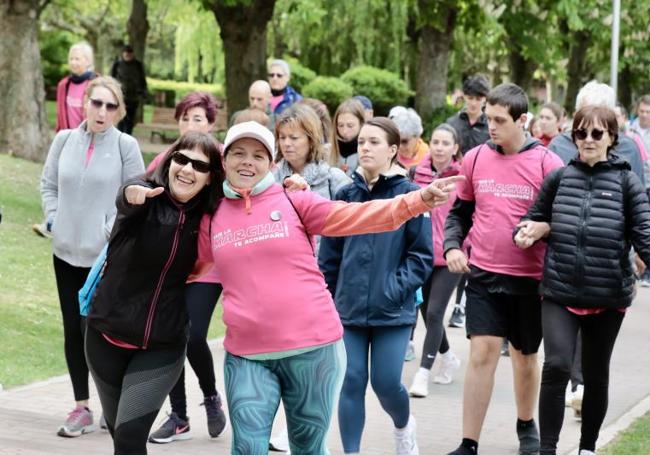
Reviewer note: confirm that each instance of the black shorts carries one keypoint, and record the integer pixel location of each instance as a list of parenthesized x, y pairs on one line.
[(515, 317)]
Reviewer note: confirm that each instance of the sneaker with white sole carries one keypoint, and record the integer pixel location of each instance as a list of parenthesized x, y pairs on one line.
[(576, 402), (449, 365), (405, 439), (457, 318), (587, 452), (79, 421), (279, 442), (173, 429), (410, 352), (420, 386), (215, 414)]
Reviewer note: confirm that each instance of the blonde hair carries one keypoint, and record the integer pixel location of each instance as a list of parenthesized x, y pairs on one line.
[(349, 106), (112, 86), (304, 118), (87, 52)]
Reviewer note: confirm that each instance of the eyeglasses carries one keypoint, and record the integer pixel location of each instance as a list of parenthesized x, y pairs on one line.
[(197, 165), (110, 107), (278, 75), (581, 134)]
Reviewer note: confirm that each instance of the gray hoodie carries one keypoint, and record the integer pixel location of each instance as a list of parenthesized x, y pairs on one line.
[(79, 200)]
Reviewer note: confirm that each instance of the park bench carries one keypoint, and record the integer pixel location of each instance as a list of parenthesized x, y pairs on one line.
[(163, 121)]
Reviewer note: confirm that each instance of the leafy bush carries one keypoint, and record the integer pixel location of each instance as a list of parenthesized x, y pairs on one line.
[(385, 89), (300, 74), (172, 92), (330, 90), (54, 58)]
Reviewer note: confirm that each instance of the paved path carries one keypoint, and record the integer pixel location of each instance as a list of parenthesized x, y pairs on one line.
[(30, 415)]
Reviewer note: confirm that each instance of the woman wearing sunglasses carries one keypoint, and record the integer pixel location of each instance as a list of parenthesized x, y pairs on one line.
[(197, 111), (590, 212), (84, 169), (138, 324)]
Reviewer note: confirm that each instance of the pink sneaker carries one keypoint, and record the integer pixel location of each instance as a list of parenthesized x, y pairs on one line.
[(79, 421)]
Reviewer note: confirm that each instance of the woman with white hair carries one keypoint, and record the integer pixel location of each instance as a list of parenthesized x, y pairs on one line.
[(70, 90), (412, 149), (84, 169), (283, 95)]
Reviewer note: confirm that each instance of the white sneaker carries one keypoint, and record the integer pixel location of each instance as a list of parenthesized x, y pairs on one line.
[(449, 364), (587, 452), (405, 441), (568, 396), (410, 352), (420, 386), (576, 402), (280, 442)]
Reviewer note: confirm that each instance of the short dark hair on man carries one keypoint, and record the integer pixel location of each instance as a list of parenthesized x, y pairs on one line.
[(510, 96), (476, 85)]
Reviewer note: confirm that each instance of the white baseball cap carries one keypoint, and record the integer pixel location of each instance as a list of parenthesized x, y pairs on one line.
[(252, 130)]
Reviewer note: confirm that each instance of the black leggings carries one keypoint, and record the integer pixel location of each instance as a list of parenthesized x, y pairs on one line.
[(200, 298), (132, 385), (69, 279), (436, 292), (598, 333)]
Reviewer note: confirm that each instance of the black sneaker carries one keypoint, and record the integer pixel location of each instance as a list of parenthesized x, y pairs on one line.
[(174, 429), (216, 416), (457, 318), (528, 440)]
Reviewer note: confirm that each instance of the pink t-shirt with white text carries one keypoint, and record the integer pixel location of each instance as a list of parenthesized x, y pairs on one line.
[(504, 187)]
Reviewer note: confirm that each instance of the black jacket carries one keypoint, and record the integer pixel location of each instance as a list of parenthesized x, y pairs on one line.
[(152, 250), (470, 135), (595, 214)]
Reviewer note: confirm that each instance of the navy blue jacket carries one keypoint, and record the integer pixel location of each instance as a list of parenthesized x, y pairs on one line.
[(373, 277)]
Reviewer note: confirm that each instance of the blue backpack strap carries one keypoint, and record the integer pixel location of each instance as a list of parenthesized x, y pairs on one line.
[(87, 292)]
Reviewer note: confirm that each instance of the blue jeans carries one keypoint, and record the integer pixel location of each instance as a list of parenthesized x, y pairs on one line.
[(387, 346)]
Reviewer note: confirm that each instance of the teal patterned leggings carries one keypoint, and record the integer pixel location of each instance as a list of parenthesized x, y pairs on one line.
[(308, 384)]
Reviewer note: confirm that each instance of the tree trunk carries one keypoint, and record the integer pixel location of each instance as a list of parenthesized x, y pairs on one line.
[(243, 32), (434, 46), (521, 69), (576, 68), (23, 121), (138, 27)]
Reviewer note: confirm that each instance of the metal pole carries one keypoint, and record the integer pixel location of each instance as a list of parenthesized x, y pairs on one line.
[(616, 26)]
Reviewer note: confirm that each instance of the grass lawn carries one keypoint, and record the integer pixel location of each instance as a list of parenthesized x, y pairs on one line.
[(31, 332), (633, 441)]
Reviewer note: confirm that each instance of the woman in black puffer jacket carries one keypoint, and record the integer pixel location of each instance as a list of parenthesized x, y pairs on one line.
[(591, 212)]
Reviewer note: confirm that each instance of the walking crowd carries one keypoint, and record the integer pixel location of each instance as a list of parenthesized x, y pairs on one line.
[(325, 237)]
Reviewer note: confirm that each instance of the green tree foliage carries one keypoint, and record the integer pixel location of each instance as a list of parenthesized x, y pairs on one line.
[(384, 88), (300, 74), (330, 90)]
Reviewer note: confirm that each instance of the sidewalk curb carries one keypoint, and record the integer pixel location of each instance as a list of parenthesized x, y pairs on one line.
[(57, 379), (609, 433)]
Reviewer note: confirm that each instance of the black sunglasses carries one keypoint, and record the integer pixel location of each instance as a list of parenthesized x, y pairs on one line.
[(110, 107), (197, 165), (278, 75), (582, 134)]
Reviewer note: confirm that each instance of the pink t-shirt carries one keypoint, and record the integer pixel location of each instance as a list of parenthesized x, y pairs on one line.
[(274, 296), (504, 187), (75, 103), (275, 100)]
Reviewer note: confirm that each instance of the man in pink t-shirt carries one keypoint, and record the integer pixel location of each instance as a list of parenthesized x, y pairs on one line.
[(503, 178)]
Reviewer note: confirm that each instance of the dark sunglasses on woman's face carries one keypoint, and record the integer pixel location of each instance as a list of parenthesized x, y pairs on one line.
[(110, 107), (581, 134), (198, 165)]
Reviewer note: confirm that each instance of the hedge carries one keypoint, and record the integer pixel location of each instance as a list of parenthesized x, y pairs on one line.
[(330, 90), (385, 89)]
